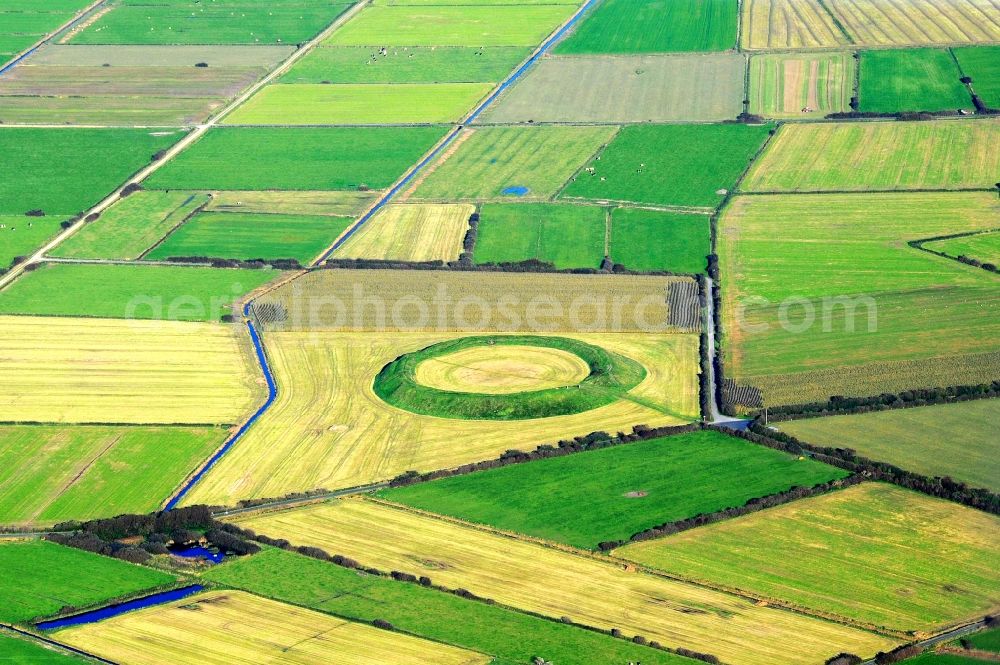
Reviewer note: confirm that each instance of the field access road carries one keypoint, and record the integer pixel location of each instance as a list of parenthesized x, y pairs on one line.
[(949, 636), (288, 503), (196, 133), (716, 417)]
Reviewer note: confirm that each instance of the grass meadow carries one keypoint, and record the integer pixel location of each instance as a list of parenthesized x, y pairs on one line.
[(982, 64), (40, 578), (510, 636), (853, 156), (676, 165), (53, 473), (23, 650), (610, 494), (987, 640), (489, 160), (556, 583), (410, 232), (331, 203), (234, 235), (873, 553), (783, 85), (20, 236), (565, 235), (649, 240), (984, 247), (654, 26), (789, 24), (954, 440), (22, 23), (297, 158), (910, 80)]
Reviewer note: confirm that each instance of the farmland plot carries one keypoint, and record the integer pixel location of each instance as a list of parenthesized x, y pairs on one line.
[(333, 204), (22, 24), (982, 64), (910, 80), (20, 235), (410, 232), (984, 247), (644, 88), (649, 240), (556, 583), (789, 24), (873, 553), (566, 236), (25, 650), (94, 370), (917, 22), (801, 85), (233, 626)]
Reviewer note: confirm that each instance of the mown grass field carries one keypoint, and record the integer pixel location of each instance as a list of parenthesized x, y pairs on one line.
[(406, 64), (23, 650), (648, 240), (555, 583), (55, 473), (678, 165), (789, 24), (987, 640), (654, 26), (953, 440), (910, 80), (62, 370), (638, 88), (130, 291), (21, 236), (359, 104), (461, 25), (874, 553), (329, 429), (983, 246), (912, 313), (296, 158), (232, 22), (878, 156), (512, 637), (40, 578), (235, 235), (24, 23), (917, 22), (611, 494), (65, 171), (410, 232), (236, 626), (566, 236), (334, 203), (501, 369), (982, 64), (489, 160), (132, 226), (784, 85)]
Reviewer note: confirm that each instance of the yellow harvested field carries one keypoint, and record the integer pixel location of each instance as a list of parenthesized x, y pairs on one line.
[(918, 22), (337, 204), (502, 370), (328, 429), (557, 583), (84, 370), (411, 232), (227, 627), (789, 24)]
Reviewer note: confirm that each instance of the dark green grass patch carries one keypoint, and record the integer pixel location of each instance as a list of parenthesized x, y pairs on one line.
[(297, 158), (513, 638), (610, 494), (648, 240), (982, 64), (413, 64), (611, 376), (231, 235), (21, 236), (943, 659), (566, 236), (987, 640), (40, 578), (130, 291), (655, 26), (679, 165), (23, 651), (921, 79), (65, 171)]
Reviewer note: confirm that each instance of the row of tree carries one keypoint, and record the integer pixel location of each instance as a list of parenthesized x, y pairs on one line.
[(840, 405)]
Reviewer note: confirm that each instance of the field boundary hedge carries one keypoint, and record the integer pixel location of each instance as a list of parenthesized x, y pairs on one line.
[(907, 399)]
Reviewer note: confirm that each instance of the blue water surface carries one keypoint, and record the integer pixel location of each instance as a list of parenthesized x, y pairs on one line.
[(199, 552), (121, 608), (516, 190)]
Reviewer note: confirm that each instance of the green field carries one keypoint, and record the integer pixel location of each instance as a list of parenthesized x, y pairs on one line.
[(194, 22), (855, 156), (566, 236), (24, 23), (53, 473), (654, 26), (123, 291), (956, 440), (908, 315), (296, 158), (65, 171), (583, 499), (982, 63), (22, 651), (20, 235), (943, 659), (648, 240), (488, 160), (359, 104), (874, 553), (910, 80), (40, 578), (987, 640), (984, 247), (132, 226), (678, 165), (514, 638), (407, 64), (440, 25), (233, 235), (784, 85)]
